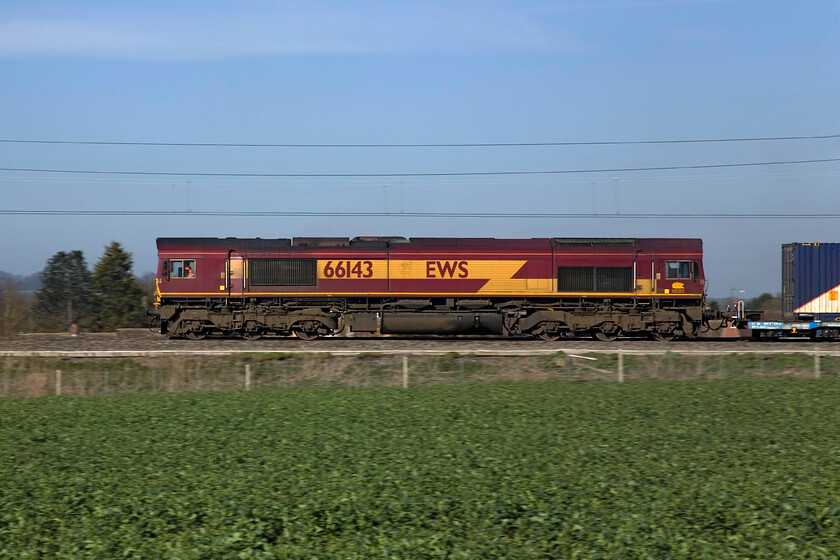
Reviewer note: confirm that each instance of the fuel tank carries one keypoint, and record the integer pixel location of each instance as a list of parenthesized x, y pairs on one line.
[(441, 323)]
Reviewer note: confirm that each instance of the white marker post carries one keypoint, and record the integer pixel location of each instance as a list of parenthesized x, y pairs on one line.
[(620, 366)]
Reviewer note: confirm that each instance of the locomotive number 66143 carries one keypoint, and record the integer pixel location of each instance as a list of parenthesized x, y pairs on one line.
[(348, 269)]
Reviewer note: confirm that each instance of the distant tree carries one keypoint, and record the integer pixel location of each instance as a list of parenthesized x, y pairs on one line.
[(765, 302), (64, 297), (15, 308), (147, 287), (116, 295)]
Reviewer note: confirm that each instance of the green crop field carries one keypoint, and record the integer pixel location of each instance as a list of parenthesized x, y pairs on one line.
[(686, 469)]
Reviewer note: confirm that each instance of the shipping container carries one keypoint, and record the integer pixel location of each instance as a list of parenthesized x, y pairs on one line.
[(811, 281)]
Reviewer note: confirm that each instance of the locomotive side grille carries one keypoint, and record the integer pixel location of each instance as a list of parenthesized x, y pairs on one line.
[(614, 279), (283, 272), (575, 278), (595, 279)]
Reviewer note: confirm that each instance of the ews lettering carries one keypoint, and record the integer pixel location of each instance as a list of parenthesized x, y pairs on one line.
[(446, 269)]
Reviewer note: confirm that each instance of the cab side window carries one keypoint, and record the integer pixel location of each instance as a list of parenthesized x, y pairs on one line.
[(678, 269), (182, 269)]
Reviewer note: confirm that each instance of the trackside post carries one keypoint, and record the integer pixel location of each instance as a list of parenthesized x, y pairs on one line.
[(620, 366)]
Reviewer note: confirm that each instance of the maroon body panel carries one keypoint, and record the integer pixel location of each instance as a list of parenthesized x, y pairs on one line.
[(446, 266)]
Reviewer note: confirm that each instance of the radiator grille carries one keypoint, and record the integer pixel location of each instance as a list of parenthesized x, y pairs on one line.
[(575, 278), (614, 279), (595, 279), (283, 272)]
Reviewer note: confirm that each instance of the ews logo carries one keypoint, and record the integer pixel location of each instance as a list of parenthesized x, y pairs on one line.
[(446, 269)]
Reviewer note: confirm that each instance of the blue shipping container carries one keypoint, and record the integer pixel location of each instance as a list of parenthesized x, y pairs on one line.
[(811, 281)]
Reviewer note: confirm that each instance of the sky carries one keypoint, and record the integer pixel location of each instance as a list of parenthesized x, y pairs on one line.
[(106, 76)]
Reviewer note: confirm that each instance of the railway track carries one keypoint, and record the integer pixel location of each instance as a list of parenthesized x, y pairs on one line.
[(151, 343)]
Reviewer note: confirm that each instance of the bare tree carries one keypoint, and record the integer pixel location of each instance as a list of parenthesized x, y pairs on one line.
[(15, 308)]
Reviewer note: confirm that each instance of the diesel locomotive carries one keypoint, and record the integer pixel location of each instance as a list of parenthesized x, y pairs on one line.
[(546, 288)]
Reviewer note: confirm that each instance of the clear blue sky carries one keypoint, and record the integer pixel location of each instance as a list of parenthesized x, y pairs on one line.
[(421, 72)]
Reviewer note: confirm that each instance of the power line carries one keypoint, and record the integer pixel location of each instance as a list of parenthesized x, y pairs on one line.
[(447, 145), (434, 174), (518, 215), (267, 181)]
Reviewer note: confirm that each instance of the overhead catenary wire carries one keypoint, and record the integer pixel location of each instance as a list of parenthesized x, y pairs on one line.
[(362, 182), (324, 184), (516, 215), (419, 174), (421, 145)]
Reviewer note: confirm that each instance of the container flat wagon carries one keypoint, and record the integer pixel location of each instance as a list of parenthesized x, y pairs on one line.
[(810, 294)]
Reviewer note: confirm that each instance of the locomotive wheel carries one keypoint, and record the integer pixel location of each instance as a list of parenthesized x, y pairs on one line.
[(605, 336), (194, 330), (547, 331), (309, 330), (251, 331), (305, 335), (606, 332), (552, 336), (663, 336), (196, 335)]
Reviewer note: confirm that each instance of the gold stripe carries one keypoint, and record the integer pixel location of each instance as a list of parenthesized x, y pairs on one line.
[(446, 294), (497, 272)]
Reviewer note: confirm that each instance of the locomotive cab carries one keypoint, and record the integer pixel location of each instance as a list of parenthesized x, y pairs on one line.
[(679, 277)]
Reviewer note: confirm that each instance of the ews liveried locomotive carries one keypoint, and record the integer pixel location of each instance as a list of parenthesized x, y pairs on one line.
[(546, 288)]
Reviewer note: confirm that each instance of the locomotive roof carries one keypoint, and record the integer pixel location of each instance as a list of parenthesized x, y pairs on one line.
[(260, 244)]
